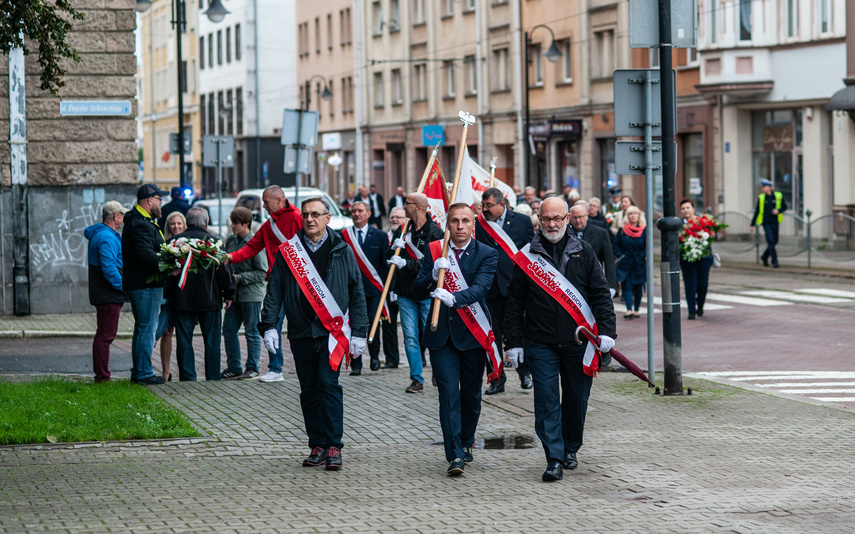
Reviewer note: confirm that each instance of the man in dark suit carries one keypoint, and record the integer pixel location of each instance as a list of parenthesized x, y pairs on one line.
[(519, 228), (598, 238), (457, 357), (397, 201), (373, 244), (377, 206)]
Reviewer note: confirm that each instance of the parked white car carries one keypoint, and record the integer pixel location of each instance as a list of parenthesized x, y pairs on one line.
[(219, 224), (251, 199)]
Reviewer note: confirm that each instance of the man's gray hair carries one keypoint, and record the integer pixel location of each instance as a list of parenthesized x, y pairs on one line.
[(275, 189), (530, 188), (494, 194), (364, 204), (322, 200), (197, 217), (582, 203)]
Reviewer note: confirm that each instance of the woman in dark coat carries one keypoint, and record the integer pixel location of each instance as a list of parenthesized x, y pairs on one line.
[(631, 254)]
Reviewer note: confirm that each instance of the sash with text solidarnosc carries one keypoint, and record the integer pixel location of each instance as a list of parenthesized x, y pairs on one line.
[(473, 315), (365, 266), (499, 236), (316, 292), (550, 279)]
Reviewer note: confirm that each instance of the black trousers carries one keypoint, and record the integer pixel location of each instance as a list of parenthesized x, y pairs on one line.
[(390, 335), (497, 315), (321, 396)]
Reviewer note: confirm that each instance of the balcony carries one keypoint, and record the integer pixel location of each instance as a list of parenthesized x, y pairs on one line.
[(741, 72)]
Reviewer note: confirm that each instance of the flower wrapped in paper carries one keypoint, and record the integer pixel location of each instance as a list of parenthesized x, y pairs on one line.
[(190, 255), (697, 236)]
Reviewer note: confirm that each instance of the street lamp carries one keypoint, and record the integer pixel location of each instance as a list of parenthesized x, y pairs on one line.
[(216, 12), (553, 55), (326, 94)]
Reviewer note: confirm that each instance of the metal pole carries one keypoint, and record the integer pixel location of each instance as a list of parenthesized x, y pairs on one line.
[(527, 132), (357, 86), (669, 224), (648, 177), (299, 150), (178, 24), (20, 188), (220, 188), (808, 213), (479, 87), (257, 88)]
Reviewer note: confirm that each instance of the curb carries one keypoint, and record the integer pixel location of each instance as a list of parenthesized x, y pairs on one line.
[(13, 334)]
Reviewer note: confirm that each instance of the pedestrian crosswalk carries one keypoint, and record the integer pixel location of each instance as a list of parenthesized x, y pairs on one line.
[(761, 298), (825, 386)]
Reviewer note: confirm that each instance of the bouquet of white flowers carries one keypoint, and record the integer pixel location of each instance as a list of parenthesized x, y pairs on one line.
[(189, 255), (695, 239)]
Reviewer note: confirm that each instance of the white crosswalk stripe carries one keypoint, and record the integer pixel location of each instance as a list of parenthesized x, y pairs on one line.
[(816, 385)]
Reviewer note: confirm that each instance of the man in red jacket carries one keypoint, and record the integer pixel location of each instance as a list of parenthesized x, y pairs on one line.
[(282, 225)]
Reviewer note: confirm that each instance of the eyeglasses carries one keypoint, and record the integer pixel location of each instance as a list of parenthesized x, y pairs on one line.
[(487, 206), (314, 214), (556, 220), (578, 217), (408, 203)]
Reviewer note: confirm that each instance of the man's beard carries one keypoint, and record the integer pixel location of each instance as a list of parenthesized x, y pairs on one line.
[(554, 237), (155, 211)]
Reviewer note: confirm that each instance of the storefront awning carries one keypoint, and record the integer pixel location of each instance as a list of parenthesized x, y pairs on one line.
[(843, 100)]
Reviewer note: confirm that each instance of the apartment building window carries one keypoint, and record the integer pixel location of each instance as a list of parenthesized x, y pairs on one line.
[(230, 121), (500, 70), (377, 13), (395, 11), (331, 101), (239, 111), (317, 35), (347, 29), (228, 45), (397, 88), (691, 57), (471, 68), (203, 114), (470, 5), (537, 65), (329, 32), (566, 62), (715, 6), (418, 12), (378, 89), (448, 67), (221, 119), (744, 20), (825, 16), (212, 117), (653, 58), (237, 42), (419, 82), (183, 81), (219, 47), (351, 95), (449, 8), (201, 52), (604, 58), (211, 50)]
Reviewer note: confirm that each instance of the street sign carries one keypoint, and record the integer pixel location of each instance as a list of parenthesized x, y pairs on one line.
[(644, 23), (91, 108), (294, 133), (629, 157), (173, 144), (630, 103), (222, 145), (433, 134), (291, 160)]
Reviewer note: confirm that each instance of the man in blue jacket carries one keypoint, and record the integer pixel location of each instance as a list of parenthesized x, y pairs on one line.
[(105, 283), (457, 356)]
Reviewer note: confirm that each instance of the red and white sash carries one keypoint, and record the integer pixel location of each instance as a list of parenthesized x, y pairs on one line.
[(365, 266), (316, 292), (473, 315), (550, 279), (501, 237), (276, 231), (412, 250)]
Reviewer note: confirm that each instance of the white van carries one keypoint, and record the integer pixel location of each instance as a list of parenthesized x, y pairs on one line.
[(219, 224), (251, 199)]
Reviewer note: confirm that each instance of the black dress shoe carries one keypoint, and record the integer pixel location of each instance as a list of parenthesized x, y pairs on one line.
[(525, 382), (317, 457), (495, 387), (605, 360), (455, 468), (356, 372), (467, 455), (691, 316), (333, 459), (570, 461), (153, 380), (375, 364), (389, 366), (553, 472)]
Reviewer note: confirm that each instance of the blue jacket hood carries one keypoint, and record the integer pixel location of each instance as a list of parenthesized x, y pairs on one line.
[(92, 231)]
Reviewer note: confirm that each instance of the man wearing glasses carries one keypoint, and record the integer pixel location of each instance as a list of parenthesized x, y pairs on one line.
[(316, 278), (515, 228)]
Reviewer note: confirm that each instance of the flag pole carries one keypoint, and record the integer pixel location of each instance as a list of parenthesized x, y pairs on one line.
[(466, 119), (493, 171), (389, 276)]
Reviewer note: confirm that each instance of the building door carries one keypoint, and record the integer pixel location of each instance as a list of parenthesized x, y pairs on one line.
[(693, 169), (608, 176)]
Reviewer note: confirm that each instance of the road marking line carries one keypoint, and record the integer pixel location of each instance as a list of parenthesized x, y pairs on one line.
[(739, 299), (829, 292), (815, 391), (810, 299), (834, 399), (772, 377), (783, 374), (805, 384)]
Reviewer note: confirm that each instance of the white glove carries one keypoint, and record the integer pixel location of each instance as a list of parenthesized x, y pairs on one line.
[(397, 261), (357, 346), (444, 295), (515, 356), (612, 292), (399, 243), (606, 343), (440, 263), (271, 340)]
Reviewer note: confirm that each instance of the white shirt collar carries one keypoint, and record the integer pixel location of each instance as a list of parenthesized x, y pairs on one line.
[(452, 245)]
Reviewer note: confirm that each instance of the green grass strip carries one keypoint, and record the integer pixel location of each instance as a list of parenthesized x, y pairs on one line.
[(56, 409)]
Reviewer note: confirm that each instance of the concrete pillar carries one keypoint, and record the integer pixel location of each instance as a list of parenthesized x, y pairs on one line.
[(843, 134), (815, 182)]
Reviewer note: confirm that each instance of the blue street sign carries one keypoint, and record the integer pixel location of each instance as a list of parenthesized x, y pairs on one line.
[(95, 107), (433, 134)]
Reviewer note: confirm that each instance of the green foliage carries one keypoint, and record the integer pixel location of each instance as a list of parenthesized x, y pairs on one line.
[(57, 409), (45, 23)]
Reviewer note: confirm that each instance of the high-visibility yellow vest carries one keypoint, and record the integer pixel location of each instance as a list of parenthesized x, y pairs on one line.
[(779, 197)]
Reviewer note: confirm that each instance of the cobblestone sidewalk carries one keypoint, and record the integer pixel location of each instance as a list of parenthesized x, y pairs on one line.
[(722, 460)]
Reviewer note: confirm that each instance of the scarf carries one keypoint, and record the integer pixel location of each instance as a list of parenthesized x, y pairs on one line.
[(633, 231)]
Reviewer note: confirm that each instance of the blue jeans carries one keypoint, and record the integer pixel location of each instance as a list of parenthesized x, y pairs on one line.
[(276, 358), (145, 305), (248, 314), (459, 374), (321, 396), (559, 416), (414, 316), (211, 323)]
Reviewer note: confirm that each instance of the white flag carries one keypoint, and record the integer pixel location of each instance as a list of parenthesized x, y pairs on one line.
[(475, 179)]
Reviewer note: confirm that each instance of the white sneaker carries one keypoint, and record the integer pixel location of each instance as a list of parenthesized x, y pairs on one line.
[(272, 377)]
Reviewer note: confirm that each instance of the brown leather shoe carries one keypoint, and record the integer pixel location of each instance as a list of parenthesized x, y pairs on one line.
[(415, 387)]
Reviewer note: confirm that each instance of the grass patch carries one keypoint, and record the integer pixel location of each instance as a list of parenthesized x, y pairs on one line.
[(57, 409), (702, 390)]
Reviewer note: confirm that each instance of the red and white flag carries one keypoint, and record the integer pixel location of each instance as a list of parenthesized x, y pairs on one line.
[(475, 179), (437, 195)]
